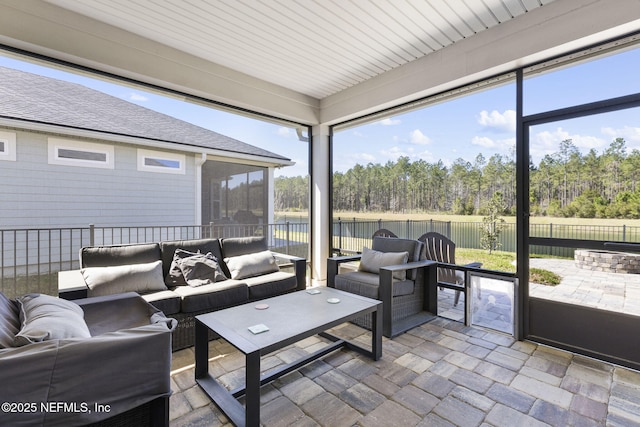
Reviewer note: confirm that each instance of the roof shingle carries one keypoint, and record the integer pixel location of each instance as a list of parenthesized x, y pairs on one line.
[(35, 98)]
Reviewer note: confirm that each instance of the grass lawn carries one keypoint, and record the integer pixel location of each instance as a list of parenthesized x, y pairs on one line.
[(467, 218), (498, 260), (504, 261)]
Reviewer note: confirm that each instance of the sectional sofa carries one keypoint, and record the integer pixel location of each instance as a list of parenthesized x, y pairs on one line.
[(189, 277)]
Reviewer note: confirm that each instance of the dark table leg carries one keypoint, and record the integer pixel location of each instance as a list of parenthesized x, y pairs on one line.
[(376, 333), (252, 392), (201, 349)]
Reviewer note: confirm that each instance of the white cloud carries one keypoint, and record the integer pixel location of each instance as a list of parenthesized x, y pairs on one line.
[(394, 152), (548, 142), (503, 122), (137, 97), (390, 122), (505, 145), (417, 137), (285, 132), (483, 141), (629, 133)]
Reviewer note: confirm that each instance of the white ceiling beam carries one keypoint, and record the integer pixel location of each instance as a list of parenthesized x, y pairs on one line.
[(557, 28), (45, 29)]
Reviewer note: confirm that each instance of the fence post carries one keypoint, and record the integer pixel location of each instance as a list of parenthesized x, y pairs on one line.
[(211, 230), (92, 235), (287, 252), (354, 231), (624, 232), (431, 225), (340, 234), (408, 231)]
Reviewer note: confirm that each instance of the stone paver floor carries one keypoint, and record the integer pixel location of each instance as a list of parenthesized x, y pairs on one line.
[(607, 291), (439, 374)]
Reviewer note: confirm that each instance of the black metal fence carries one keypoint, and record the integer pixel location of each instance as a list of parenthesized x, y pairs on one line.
[(31, 258), (351, 234)]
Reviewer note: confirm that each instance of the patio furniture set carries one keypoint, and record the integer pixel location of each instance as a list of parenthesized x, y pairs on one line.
[(139, 302)]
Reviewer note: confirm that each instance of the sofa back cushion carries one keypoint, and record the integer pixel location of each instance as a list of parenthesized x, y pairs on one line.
[(371, 261), (204, 246), (393, 244), (105, 256), (236, 246), (9, 321)]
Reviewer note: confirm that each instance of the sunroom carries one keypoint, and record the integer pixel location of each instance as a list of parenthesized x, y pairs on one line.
[(327, 68)]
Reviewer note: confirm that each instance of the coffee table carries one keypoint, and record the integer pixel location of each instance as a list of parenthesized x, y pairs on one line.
[(290, 318)]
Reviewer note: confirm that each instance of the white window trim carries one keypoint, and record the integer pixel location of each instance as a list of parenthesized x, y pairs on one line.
[(161, 155), (55, 144), (9, 151)]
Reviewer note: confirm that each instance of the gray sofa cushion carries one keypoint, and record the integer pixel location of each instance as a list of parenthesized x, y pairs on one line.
[(272, 284), (166, 301), (367, 284), (118, 279), (252, 264), (212, 297), (204, 246), (44, 317), (236, 246), (372, 260), (9, 321), (393, 244), (104, 256)]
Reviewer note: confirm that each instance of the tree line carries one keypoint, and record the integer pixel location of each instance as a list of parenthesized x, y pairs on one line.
[(566, 183)]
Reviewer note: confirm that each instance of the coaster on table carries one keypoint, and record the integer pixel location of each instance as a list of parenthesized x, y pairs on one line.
[(261, 306), (333, 300), (313, 291), (257, 329)]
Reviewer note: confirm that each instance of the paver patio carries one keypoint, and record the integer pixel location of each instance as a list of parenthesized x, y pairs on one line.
[(439, 374), (608, 291)]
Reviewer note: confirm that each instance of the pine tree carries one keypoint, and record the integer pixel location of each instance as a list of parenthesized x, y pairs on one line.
[(492, 223)]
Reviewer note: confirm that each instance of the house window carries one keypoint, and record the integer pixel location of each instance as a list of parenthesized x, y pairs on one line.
[(79, 153), (162, 162), (8, 146)]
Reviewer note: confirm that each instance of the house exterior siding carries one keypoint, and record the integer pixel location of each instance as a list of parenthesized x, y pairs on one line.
[(36, 194)]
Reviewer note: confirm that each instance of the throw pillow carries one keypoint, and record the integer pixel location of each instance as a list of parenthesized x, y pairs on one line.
[(201, 269), (250, 265), (372, 260), (124, 278), (9, 321), (174, 276), (45, 317)]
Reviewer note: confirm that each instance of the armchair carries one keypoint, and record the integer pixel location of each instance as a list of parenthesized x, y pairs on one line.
[(391, 271), (106, 359)]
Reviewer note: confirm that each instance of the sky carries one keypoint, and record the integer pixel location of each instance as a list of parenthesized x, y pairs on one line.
[(483, 122)]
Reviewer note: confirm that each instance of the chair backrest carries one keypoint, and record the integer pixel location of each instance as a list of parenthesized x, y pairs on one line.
[(383, 232), (393, 244), (441, 249)]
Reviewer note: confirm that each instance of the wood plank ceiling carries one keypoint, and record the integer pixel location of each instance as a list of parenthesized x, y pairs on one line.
[(315, 47)]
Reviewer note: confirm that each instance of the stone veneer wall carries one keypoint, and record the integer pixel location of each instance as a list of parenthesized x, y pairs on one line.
[(612, 262)]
